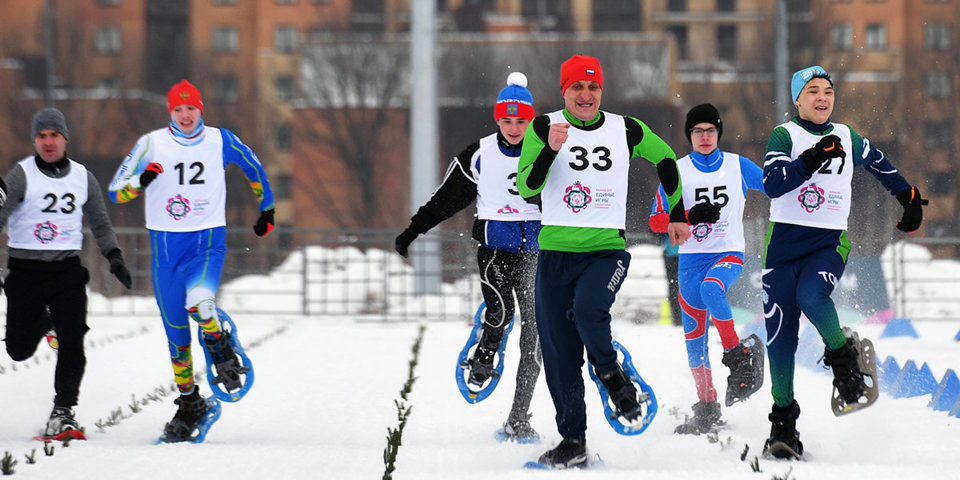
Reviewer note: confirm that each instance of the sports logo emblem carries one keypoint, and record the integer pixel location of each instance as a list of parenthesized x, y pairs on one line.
[(178, 207), (577, 197), (811, 197)]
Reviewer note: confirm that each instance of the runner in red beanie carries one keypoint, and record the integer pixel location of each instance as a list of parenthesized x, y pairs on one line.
[(580, 67)]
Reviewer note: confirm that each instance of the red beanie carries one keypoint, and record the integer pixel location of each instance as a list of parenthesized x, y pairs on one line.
[(184, 93), (580, 67)]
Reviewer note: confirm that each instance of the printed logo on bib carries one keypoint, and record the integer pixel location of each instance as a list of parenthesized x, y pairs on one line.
[(178, 207), (701, 231), (508, 209), (811, 197), (46, 232), (577, 196)]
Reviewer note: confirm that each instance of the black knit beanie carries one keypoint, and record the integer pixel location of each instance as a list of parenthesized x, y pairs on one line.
[(703, 113)]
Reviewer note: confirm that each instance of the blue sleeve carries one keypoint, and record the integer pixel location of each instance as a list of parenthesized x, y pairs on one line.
[(877, 164), (781, 173), (234, 151), (752, 175)]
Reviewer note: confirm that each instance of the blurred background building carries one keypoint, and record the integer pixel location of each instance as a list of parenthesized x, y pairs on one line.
[(320, 88)]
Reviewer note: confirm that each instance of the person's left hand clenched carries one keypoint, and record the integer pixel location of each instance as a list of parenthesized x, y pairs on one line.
[(264, 224), (119, 268)]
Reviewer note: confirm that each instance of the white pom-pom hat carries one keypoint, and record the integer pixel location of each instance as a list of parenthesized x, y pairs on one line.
[(514, 100)]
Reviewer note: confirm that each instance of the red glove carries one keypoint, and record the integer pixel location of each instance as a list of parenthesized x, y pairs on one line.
[(150, 173)]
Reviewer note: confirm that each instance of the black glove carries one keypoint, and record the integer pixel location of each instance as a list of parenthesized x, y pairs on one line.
[(150, 174), (828, 147), (403, 241), (912, 210), (264, 224), (704, 212), (118, 268)]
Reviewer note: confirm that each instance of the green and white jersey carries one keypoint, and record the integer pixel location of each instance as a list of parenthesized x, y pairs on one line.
[(587, 186), (823, 201)]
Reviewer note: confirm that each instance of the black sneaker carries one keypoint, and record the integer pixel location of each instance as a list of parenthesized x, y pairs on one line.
[(847, 376), (706, 419), (784, 441), (191, 411), (745, 362), (225, 361), (570, 453), (481, 365), (623, 394), (62, 423)]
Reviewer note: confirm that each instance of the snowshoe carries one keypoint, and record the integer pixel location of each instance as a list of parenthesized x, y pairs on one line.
[(229, 370), (625, 395), (784, 441), (705, 419), (518, 430), (193, 419), (570, 453), (62, 426), (854, 374), (479, 366), (745, 362)]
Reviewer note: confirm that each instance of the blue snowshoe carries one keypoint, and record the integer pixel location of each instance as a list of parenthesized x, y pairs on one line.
[(479, 367), (229, 370), (624, 407)]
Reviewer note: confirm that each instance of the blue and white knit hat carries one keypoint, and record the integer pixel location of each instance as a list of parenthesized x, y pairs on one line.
[(801, 78), (514, 100)]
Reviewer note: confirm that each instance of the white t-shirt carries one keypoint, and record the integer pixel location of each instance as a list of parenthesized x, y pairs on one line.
[(51, 214), (587, 184)]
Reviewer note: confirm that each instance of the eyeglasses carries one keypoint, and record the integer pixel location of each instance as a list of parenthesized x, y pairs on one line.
[(700, 131)]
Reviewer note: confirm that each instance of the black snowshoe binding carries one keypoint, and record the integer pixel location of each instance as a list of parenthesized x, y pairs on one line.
[(481, 364), (192, 410), (745, 362), (854, 374), (569, 453), (226, 365), (784, 441), (705, 419), (623, 394)]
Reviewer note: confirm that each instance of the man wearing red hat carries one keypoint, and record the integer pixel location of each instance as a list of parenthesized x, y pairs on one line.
[(181, 169), (507, 229), (575, 164)]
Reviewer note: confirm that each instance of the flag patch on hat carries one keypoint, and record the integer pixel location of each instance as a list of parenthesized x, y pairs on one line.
[(512, 109), (590, 71)]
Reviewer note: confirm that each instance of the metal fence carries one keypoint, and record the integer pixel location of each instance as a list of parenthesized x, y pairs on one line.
[(356, 274)]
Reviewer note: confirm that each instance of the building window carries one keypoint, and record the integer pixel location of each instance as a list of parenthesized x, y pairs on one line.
[(226, 40), (319, 2), (285, 39), (938, 135), (937, 36), (226, 89), (108, 3), (841, 37), (940, 183), (283, 138), (286, 2), (938, 85), (284, 88), (726, 5), (108, 83), (224, 2), (676, 5), (280, 184), (727, 42), (107, 40), (679, 33), (876, 38)]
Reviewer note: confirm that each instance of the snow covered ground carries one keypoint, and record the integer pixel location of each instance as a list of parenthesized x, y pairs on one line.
[(324, 398), (326, 386)]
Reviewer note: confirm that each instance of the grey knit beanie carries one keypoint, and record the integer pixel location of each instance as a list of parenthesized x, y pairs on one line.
[(49, 119)]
